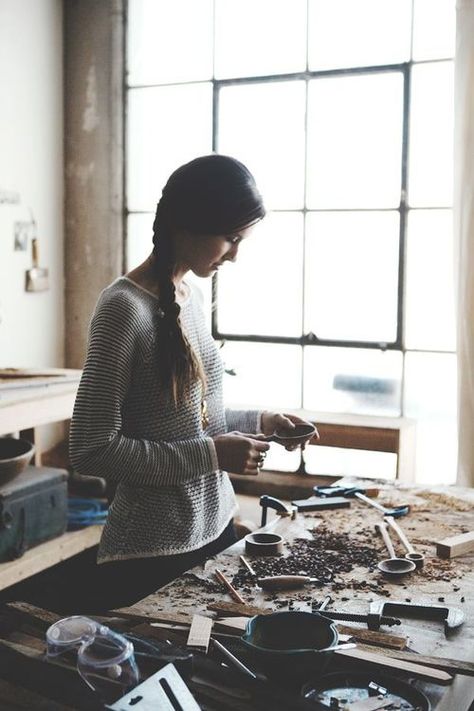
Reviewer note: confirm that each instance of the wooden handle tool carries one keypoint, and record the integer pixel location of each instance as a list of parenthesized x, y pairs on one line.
[(285, 582)]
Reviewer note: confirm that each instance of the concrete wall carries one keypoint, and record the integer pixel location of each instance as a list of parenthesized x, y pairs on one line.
[(93, 42), (31, 166)]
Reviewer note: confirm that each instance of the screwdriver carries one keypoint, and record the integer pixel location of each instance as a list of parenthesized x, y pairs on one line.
[(278, 582)]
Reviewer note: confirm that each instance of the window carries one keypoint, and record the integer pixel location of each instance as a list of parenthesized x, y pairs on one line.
[(342, 300)]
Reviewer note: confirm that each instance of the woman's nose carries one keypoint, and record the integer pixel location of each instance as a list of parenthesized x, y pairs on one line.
[(232, 253)]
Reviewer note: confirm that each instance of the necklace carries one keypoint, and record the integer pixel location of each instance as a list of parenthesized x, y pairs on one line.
[(204, 414)]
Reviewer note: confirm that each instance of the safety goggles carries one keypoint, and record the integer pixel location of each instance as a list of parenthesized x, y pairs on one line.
[(103, 656)]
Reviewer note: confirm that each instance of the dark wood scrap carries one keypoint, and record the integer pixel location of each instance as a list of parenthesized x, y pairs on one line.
[(40, 618), (15, 698), (28, 668)]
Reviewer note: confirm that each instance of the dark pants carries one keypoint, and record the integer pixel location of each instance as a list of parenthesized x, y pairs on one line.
[(80, 586), (123, 582)]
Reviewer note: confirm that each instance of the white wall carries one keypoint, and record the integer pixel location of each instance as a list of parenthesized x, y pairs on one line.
[(31, 164)]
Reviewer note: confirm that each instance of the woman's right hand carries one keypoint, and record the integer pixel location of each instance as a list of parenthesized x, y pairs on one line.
[(241, 453)]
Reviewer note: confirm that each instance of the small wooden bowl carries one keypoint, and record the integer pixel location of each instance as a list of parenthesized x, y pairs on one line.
[(263, 543)]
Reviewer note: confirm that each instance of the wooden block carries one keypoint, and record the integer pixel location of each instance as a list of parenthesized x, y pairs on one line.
[(455, 545), (232, 625), (236, 609), (378, 639), (200, 633)]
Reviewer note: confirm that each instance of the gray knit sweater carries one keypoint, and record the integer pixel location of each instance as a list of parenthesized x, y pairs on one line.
[(171, 496)]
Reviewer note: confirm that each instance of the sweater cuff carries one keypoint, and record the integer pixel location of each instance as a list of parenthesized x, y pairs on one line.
[(213, 454)]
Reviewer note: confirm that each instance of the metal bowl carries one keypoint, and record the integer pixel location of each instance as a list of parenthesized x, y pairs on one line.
[(292, 645), (15, 455)]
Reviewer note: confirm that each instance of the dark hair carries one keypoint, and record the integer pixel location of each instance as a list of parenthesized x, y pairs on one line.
[(210, 195)]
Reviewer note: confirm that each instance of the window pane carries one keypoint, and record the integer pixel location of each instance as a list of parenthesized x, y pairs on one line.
[(355, 141), (430, 289), (167, 126), (267, 375), (169, 41), (139, 239), (263, 125), (430, 397), (334, 461), (434, 29), (351, 275), (344, 33), (352, 380), (259, 38), (262, 292), (430, 177)]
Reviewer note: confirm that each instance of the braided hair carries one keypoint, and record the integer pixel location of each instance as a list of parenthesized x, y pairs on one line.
[(211, 195)]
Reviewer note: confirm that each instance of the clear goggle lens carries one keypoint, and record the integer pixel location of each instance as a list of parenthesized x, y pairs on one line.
[(103, 655)]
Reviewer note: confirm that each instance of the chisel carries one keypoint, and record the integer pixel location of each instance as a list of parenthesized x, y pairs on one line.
[(285, 582), (278, 582)]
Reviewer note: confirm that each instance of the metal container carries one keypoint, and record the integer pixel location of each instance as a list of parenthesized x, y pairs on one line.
[(15, 455), (294, 645)]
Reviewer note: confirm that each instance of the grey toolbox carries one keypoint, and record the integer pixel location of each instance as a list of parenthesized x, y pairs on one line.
[(33, 509)]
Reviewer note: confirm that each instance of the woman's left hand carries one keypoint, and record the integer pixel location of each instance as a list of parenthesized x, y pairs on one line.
[(276, 422)]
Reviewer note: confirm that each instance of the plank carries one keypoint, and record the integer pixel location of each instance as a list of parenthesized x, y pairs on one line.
[(455, 545), (14, 698), (32, 614), (452, 666), (435, 676), (179, 618)]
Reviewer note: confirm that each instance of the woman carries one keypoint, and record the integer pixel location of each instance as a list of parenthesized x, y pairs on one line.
[(149, 415)]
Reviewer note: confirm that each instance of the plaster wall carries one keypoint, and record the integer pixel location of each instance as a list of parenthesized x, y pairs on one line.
[(31, 171)]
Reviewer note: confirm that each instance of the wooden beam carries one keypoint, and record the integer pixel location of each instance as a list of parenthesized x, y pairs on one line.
[(374, 439)]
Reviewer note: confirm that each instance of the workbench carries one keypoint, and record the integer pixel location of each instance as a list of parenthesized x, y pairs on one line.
[(27, 403), (435, 514)]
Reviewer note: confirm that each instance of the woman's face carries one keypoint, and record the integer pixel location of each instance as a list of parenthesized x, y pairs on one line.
[(203, 255)]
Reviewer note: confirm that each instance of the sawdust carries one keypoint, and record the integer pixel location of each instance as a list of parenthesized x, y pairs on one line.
[(441, 501), (437, 569)]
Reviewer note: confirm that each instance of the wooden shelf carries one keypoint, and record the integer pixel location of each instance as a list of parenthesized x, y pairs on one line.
[(47, 554)]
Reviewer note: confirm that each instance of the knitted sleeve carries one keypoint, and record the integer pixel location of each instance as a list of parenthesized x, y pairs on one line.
[(243, 420), (97, 444)]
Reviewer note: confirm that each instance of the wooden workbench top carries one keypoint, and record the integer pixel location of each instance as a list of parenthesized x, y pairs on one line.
[(434, 515)]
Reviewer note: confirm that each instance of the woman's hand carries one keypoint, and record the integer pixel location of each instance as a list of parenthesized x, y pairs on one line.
[(241, 453), (277, 422)]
